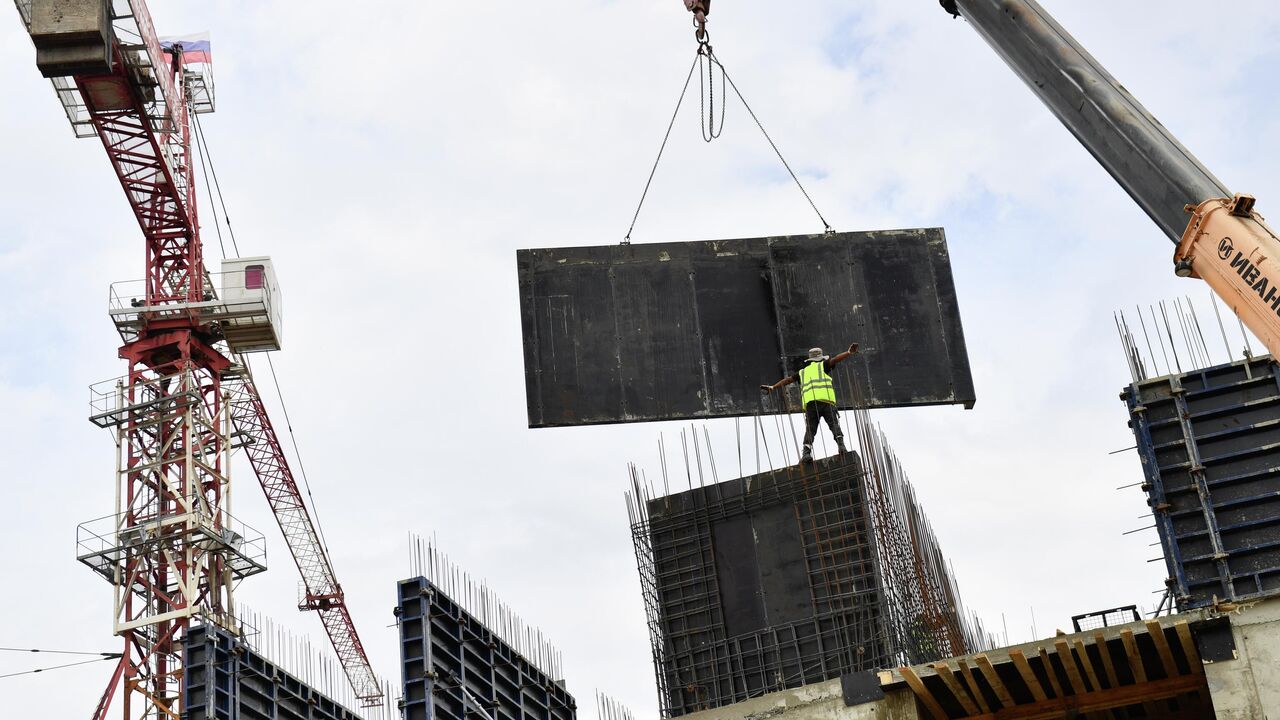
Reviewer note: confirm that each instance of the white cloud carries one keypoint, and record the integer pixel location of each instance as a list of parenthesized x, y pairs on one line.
[(391, 158)]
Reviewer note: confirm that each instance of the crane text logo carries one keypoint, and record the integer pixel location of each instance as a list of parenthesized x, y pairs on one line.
[(1266, 289), (1224, 248)]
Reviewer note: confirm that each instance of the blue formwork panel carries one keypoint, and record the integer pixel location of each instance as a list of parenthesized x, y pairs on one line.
[(1209, 441), (226, 680), (456, 668)]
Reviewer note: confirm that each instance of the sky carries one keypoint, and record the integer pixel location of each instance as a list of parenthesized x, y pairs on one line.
[(391, 157)]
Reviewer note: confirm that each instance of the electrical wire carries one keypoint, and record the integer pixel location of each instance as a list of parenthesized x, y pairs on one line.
[(116, 656), (58, 652)]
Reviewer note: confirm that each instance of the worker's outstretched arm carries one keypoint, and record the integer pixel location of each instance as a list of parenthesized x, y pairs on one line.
[(853, 348), (766, 389), (837, 359)]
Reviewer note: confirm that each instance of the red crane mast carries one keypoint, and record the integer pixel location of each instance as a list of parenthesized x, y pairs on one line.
[(172, 549)]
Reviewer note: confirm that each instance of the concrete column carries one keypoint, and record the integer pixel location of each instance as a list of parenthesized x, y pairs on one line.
[(1248, 687)]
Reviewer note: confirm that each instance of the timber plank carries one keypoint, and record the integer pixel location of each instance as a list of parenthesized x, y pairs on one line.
[(993, 679), (917, 686), (1162, 648), (1100, 700), (1028, 676), (972, 683), (949, 679)]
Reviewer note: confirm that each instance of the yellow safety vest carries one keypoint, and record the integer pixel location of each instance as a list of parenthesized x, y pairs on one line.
[(815, 384)]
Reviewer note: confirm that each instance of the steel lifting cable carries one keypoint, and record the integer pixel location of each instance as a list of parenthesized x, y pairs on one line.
[(627, 240), (297, 453), (707, 127), (208, 187), (205, 155), (707, 106), (772, 144)]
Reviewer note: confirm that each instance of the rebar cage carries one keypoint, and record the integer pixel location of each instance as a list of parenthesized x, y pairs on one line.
[(790, 577)]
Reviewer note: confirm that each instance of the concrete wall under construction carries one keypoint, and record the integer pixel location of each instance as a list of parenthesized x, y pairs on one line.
[(819, 701), (1221, 662), (1247, 685), (789, 578)]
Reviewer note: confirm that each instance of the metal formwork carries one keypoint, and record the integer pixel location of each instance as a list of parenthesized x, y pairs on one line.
[(787, 578), (673, 331), (457, 668), (1209, 441), (762, 584), (225, 680)]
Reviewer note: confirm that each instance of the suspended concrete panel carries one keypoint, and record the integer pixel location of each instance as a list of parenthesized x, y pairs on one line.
[(634, 333), (457, 668), (226, 680), (1209, 441)]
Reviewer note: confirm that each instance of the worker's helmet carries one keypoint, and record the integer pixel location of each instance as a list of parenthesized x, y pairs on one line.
[(815, 354)]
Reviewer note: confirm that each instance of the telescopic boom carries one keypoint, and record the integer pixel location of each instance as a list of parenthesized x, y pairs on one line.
[(1218, 236)]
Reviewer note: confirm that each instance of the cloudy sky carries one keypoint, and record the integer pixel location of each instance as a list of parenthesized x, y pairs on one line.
[(392, 156)]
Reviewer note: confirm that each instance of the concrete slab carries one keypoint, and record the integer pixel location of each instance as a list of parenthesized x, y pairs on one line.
[(820, 701)]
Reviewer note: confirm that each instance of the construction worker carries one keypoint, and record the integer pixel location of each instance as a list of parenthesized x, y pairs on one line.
[(818, 394)]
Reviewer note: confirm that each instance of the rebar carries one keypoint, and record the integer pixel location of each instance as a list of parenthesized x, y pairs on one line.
[(478, 599), (880, 591)]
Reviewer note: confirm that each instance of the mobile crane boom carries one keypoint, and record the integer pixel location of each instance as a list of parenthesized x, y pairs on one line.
[(1219, 237), (1223, 241)]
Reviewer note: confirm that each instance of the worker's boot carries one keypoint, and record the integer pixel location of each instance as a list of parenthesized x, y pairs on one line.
[(807, 455), (840, 445)]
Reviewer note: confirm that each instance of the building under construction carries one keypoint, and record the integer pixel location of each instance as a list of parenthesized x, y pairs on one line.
[(814, 590), (791, 577)]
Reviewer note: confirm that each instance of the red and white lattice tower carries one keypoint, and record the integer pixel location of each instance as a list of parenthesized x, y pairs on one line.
[(171, 549)]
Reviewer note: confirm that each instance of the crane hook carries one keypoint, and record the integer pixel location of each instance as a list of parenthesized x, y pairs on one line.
[(700, 10)]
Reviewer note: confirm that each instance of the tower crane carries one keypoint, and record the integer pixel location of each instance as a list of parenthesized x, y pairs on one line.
[(172, 550), (1218, 236)]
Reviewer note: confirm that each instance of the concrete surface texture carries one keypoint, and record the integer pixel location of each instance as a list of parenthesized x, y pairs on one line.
[(1249, 686), (820, 701)]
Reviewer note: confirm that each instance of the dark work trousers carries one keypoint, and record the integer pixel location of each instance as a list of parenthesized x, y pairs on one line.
[(815, 411)]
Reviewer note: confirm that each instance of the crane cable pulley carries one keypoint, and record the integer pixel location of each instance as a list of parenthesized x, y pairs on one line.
[(705, 58)]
